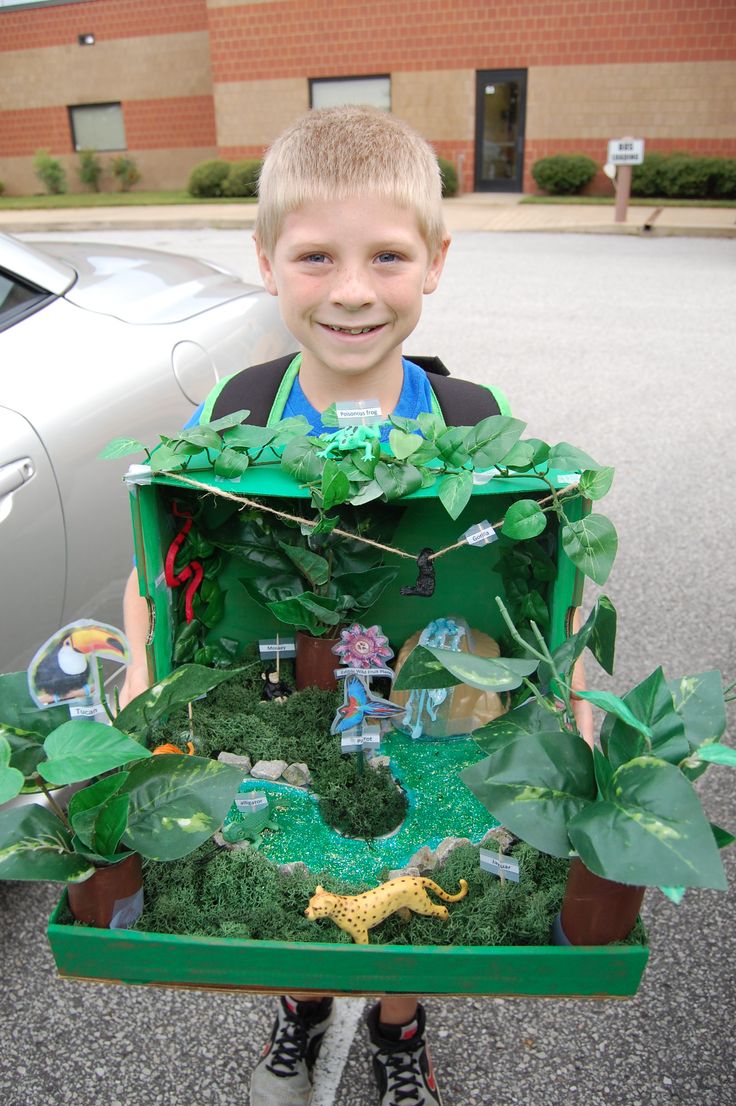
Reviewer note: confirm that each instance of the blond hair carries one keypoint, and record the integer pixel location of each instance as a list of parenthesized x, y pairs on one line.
[(342, 152)]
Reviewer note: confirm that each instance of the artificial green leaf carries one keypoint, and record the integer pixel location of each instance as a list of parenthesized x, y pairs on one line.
[(214, 611), (451, 667), (523, 520), (335, 485), (166, 459), (96, 858), (397, 480), (651, 703), (455, 492), (101, 828), (249, 436), (82, 748), (313, 613), (313, 567), (451, 445), (490, 440), (602, 641), (91, 797), (300, 459), (427, 451), (535, 785), (329, 416), (565, 457), (286, 430), (227, 422), (520, 456), (722, 837), (540, 451), (184, 684), (598, 633), (367, 586), (201, 436), (230, 464), (611, 704), (186, 640), (177, 803), (431, 425), (603, 773), (651, 832), (591, 545), (534, 608), (529, 718), (407, 426), (120, 447), (717, 754), (370, 491), (35, 845), (26, 749), (595, 483), (700, 703), (19, 712), (11, 780), (674, 894), (403, 444)]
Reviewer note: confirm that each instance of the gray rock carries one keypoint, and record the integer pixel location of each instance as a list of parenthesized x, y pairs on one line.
[(448, 845), (396, 873), (239, 762), (297, 774), (501, 836), (378, 762), (293, 867), (268, 769), (424, 859)]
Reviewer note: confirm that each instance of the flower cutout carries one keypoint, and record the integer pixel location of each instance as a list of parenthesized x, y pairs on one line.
[(361, 647)]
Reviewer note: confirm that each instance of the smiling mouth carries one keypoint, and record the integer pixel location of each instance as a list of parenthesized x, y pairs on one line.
[(352, 329)]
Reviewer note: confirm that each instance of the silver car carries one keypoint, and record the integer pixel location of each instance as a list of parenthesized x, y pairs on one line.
[(97, 342)]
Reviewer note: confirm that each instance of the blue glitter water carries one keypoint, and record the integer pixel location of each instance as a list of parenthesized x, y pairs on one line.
[(440, 805)]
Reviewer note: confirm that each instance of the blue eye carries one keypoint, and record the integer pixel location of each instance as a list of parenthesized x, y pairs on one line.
[(316, 258), (387, 256)]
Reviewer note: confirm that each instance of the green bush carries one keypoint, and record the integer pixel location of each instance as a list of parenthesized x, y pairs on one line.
[(450, 182), (2, 187), (208, 178), (564, 174), (90, 169), (125, 171), (684, 176), (242, 179), (50, 172)]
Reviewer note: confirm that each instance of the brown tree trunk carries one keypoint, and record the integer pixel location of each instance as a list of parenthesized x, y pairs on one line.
[(315, 662), (597, 911)]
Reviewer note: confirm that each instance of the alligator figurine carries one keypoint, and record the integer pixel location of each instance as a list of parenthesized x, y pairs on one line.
[(356, 914), (248, 825)]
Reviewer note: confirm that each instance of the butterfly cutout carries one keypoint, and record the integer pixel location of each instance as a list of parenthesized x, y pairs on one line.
[(360, 704)]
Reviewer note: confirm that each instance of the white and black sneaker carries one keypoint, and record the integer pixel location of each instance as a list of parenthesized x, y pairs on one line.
[(401, 1062), (283, 1075)]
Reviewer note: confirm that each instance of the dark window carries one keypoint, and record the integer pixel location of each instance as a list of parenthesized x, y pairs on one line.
[(98, 127), (18, 299)]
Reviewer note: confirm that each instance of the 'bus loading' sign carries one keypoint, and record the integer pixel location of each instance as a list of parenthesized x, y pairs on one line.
[(626, 151)]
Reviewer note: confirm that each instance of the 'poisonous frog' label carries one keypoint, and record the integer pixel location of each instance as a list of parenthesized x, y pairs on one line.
[(360, 412)]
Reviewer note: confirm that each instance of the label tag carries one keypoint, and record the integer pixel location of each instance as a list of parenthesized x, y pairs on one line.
[(565, 478), (253, 801), (485, 476), (341, 673), (138, 474), (499, 865), (95, 713), (481, 534), (271, 647), (126, 912), (359, 412), (357, 741), (161, 578)]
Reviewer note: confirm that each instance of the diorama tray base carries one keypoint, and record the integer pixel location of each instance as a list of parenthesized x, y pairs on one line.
[(212, 963)]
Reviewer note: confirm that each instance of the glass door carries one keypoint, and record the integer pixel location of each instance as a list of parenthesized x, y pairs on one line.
[(500, 116)]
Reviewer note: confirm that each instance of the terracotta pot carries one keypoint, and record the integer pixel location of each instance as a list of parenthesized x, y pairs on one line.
[(110, 899), (596, 911), (315, 662)]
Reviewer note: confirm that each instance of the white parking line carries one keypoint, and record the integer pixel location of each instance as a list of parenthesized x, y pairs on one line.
[(334, 1052)]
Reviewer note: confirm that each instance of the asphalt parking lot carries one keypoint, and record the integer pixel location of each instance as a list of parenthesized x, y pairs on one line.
[(624, 346)]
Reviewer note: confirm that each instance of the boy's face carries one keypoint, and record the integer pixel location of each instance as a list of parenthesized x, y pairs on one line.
[(350, 276)]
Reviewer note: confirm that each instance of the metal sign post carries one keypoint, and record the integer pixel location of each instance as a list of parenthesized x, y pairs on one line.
[(623, 153)]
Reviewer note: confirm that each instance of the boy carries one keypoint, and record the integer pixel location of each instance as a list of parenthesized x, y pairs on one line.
[(349, 237)]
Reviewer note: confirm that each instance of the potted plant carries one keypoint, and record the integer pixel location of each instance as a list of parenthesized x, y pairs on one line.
[(134, 804), (625, 811)]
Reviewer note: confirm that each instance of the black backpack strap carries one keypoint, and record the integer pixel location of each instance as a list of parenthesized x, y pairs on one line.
[(252, 389)]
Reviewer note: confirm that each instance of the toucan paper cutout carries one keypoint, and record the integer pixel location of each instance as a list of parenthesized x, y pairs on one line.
[(64, 669)]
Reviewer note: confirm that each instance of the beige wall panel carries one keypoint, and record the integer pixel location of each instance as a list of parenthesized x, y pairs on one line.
[(666, 100), (253, 113), (160, 169), (439, 103), (127, 69)]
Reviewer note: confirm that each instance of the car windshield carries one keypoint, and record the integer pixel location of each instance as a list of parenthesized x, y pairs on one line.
[(17, 298)]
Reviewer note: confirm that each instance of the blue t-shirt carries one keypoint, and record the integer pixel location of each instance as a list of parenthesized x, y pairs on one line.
[(416, 397)]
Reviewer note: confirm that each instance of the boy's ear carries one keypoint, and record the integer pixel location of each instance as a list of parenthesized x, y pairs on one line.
[(264, 264), (436, 266)]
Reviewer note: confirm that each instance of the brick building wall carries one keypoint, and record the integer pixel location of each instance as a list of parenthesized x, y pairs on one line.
[(199, 76)]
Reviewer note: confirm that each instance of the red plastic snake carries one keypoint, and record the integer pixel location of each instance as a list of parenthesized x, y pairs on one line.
[(193, 571)]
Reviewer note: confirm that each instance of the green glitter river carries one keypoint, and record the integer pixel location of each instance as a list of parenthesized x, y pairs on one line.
[(440, 805)]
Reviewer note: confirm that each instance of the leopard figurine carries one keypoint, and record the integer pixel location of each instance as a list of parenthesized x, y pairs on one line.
[(356, 914)]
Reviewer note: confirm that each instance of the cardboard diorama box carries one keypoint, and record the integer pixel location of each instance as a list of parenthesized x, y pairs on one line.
[(468, 578)]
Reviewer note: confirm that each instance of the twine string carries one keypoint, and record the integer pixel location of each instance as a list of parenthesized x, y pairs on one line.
[(245, 502)]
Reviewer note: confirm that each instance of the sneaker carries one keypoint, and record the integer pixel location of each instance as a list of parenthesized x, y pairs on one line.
[(283, 1075), (402, 1066)]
